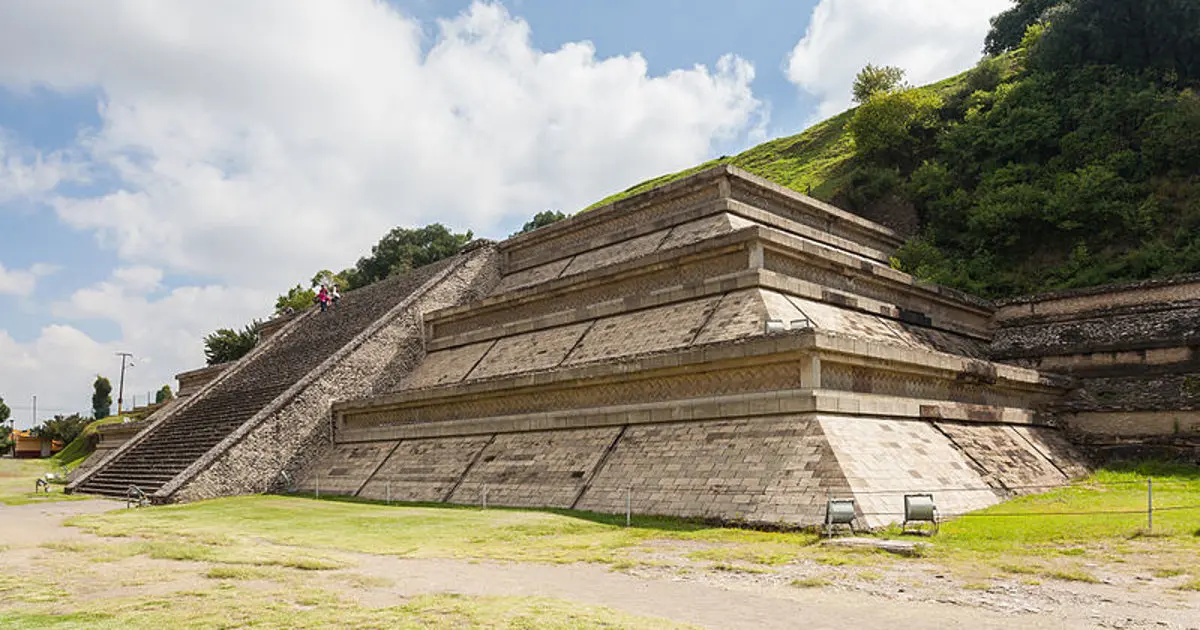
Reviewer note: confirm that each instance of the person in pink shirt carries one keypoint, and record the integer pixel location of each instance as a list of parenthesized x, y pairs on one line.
[(323, 298)]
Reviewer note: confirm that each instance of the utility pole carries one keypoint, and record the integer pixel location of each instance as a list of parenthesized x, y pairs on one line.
[(121, 388), (34, 412)]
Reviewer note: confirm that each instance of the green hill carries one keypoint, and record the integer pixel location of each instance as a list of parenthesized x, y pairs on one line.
[(1069, 158), (817, 161)]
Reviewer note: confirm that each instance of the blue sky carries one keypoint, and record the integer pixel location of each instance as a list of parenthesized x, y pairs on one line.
[(171, 171)]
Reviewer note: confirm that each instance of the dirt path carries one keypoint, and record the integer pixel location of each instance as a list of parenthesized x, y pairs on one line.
[(728, 607), (36, 523), (726, 602)]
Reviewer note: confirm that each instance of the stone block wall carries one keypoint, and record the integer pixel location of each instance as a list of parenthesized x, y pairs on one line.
[(425, 470), (766, 470), (1133, 349), (535, 469), (776, 469), (282, 436)]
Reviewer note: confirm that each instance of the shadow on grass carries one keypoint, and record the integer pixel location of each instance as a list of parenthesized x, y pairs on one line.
[(1179, 471), (636, 521)]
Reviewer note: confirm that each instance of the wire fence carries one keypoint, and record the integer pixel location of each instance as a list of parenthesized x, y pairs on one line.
[(639, 501)]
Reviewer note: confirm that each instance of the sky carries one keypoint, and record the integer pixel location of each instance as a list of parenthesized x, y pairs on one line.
[(168, 167)]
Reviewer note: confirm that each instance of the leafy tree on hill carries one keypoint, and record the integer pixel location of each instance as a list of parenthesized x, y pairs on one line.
[(163, 395), (404, 249), (62, 428), (101, 398), (873, 80), (1008, 28), (1134, 35), (891, 126), (297, 298), (541, 219), (1077, 170), (327, 278), (226, 344)]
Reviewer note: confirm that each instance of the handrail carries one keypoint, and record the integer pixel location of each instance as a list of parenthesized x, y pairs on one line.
[(135, 495), (288, 487)]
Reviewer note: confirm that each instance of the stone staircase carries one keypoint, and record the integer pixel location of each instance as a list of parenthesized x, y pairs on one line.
[(167, 448)]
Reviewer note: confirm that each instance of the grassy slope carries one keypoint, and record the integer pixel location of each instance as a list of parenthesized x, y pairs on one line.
[(819, 158), (82, 446)]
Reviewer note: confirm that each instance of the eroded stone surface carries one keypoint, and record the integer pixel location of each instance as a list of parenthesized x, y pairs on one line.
[(425, 470), (536, 469)]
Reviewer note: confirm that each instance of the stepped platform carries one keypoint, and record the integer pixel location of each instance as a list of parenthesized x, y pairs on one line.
[(717, 347), (1133, 351), (244, 426)]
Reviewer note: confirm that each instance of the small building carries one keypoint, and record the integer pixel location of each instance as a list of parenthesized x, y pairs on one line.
[(26, 445)]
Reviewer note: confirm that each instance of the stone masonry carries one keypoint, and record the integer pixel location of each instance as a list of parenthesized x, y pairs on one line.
[(263, 417), (1134, 353), (625, 356), (718, 347)]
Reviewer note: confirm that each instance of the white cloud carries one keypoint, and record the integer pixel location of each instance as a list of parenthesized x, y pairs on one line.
[(253, 143), (164, 335), (289, 136), (27, 174), (930, 39), (58, 367), (23, 282)]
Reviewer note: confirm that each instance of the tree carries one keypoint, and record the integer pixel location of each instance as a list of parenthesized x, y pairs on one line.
[(226, 344), (327, 278), (1135, 35), (5, 430), (890, 127), (872, 80), (101, 398), (404, 249), (297, 298), (1008, 28), (542, 219), (163, 395), (62, 428)]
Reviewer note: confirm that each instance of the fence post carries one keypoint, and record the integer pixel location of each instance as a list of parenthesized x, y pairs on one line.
[(1150, 505), (318, 484), (389, 492), (485, 489), (628, 505)]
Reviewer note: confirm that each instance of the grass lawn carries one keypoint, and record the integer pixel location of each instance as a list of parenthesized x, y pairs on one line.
[(275, 605), (17, 479), (435, 531), (1039, 534), (288, 561)]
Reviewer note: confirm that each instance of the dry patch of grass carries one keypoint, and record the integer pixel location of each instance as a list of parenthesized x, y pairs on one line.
[(757, 554), (187, 551), (1193, 585), (245, 573), (1166, 572), (725, 567), (228, 605)]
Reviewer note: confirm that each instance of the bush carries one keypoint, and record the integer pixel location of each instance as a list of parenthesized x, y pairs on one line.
[(892, 128), (874, 80), (62, 428), (869, 184)]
